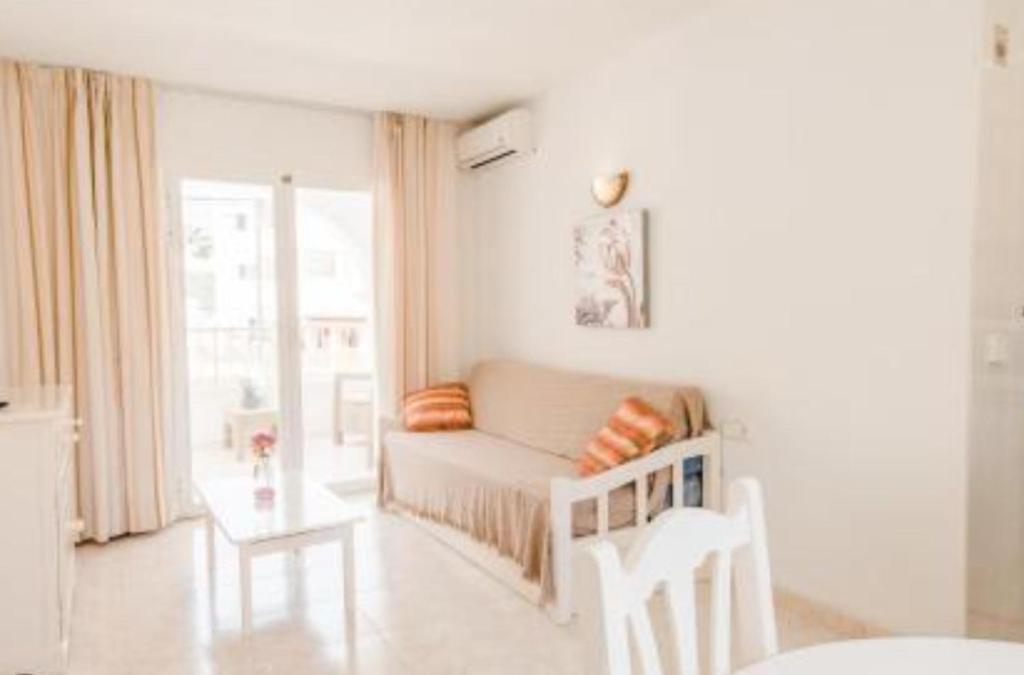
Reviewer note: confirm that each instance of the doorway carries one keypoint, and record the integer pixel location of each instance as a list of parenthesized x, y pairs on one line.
[(334, 290), (277, 286)]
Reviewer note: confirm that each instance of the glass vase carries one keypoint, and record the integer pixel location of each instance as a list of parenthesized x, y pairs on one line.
[(263, 478)]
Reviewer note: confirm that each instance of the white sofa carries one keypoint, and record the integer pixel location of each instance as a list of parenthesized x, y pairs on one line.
[(506, 492)]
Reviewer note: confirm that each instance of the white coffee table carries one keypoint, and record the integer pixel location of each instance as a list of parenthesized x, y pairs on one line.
[(303, 513)]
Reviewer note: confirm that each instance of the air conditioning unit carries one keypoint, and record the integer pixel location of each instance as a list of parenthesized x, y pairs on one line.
[(506, 135)]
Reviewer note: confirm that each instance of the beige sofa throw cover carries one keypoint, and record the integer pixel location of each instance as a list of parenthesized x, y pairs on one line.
[(559, 411), (493, 482)]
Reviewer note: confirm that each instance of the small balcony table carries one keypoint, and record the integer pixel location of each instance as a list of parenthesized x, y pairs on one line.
[(303, 513)]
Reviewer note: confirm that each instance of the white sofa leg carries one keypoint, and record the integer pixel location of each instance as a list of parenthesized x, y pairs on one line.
[(561, 550), (562, 612)]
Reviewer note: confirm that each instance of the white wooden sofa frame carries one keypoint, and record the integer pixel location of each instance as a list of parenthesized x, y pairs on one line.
[(568, 491), (564, 492)]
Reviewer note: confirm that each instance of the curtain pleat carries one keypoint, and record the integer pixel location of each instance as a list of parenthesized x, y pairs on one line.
[(83, 277), (414, 218)]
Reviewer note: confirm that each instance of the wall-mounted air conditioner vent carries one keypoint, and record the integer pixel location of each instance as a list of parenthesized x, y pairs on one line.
[(504, 136)]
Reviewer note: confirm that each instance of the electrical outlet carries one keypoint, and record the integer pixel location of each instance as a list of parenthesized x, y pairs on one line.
[(1017, 315), (734, 429)]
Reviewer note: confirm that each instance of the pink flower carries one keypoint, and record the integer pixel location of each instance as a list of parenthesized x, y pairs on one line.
[(263, 444), (263, 439)]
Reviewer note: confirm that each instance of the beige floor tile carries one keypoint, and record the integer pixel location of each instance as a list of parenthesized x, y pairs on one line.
[(145, 605)]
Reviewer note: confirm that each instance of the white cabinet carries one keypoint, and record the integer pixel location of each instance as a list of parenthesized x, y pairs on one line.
[(38, 521)]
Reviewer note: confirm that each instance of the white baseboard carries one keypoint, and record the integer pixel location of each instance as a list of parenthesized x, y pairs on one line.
[(829, 618)]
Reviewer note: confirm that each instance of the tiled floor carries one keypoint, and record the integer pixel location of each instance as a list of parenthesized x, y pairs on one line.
[(143, 606)]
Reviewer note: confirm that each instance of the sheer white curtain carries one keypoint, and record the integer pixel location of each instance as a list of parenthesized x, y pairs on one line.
[(416, 242), (82, 259)]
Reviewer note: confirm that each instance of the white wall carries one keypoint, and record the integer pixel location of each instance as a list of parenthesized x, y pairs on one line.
[(808, 166), (996, 499), (228, 138)]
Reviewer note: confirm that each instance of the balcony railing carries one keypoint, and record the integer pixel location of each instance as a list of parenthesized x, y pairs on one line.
[(226, 355)]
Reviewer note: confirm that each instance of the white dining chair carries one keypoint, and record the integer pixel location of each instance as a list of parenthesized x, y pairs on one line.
[(665, 558)]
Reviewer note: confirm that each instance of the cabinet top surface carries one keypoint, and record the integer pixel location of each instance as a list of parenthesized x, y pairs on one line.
[(28, 404)]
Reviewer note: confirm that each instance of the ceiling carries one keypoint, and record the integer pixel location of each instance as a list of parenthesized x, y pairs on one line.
[(456, 59)]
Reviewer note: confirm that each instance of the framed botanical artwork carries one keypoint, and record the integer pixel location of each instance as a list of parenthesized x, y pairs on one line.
[(610, 265)]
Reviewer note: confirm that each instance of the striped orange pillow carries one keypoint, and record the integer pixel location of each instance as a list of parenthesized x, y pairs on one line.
[(633, 431), (443, 407)]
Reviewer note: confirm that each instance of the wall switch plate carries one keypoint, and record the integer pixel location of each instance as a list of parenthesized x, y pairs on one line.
[(734, 429), (997, 349)]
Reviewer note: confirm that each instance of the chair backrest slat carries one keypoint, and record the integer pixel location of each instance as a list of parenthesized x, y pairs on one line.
[(682, 608), (666, 557), (721, 607), (643, 637)]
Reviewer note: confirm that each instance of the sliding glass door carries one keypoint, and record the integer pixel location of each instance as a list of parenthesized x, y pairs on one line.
[(231, 320), (277, 298), (333, 268)]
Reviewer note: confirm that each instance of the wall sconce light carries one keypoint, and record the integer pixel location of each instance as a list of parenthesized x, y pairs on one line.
[(608, 190)]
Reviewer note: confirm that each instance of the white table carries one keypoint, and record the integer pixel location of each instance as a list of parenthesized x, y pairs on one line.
[(303, 513), (898, 656)]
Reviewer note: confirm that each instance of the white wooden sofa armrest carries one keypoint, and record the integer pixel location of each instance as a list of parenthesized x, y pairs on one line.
[(567, 491), (599, 486)]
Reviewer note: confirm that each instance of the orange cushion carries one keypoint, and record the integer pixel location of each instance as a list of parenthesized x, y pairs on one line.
[(633, 431), (443, 407)]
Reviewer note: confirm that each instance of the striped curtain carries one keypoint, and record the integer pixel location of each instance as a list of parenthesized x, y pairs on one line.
[(416, 285), (82, 268)]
